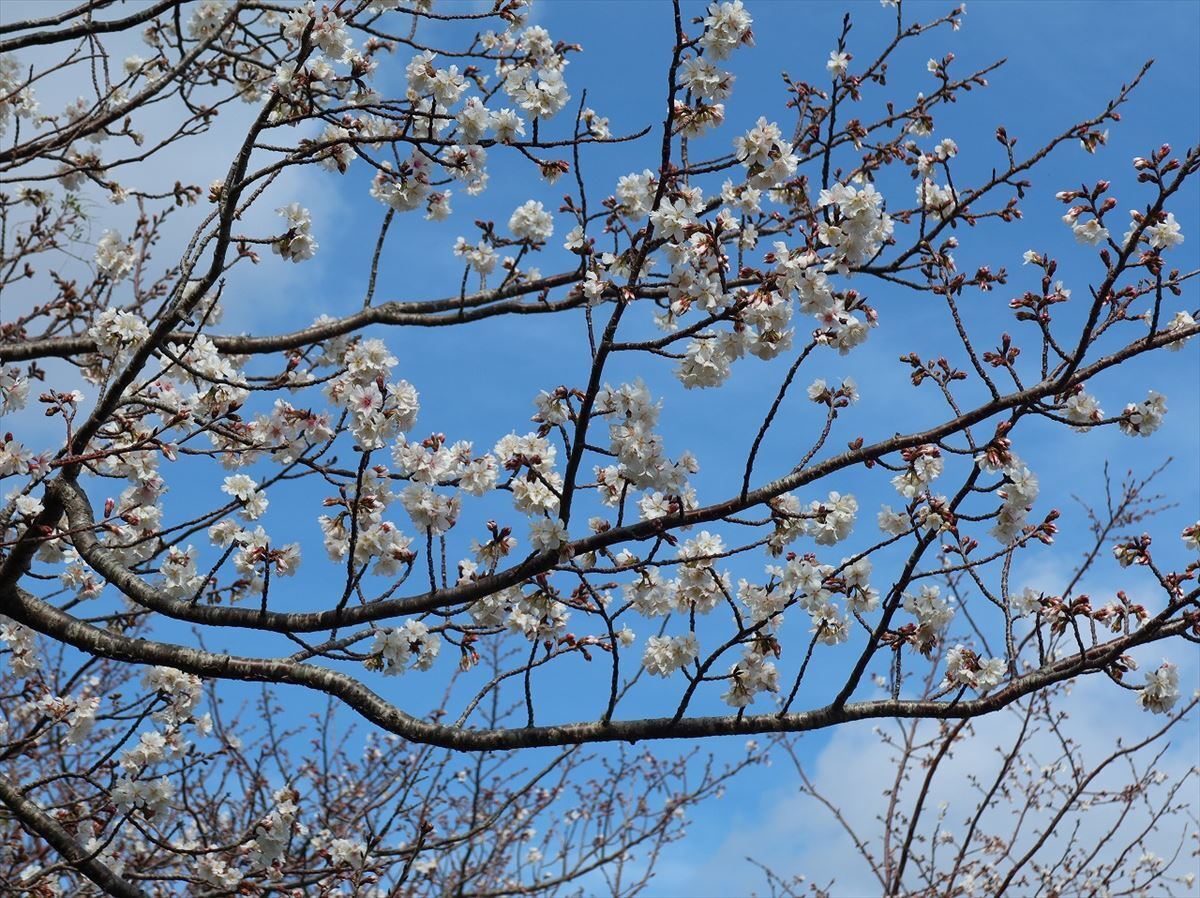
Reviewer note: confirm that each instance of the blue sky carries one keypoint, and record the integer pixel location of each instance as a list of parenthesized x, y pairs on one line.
[(1064, 60)]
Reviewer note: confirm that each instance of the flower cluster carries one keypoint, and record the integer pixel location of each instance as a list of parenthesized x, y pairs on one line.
[(666, 654), (534, 615), (1161, 691), (1180, 321), (859, 228), (751, 675), (935, 201), (114, 257), (534, 80), (933, 613), (530, 222), (965, 668), (254, 555), (399, 648), (297, 244), (273, 833), (726, 27), (22, 648), (378, 410), (641, 460), (801, 272), (16, 94), (117, 332), (1143, 418), (924, 466), (1018, 493), (1163, 233), (1082, 408), (766, 156)]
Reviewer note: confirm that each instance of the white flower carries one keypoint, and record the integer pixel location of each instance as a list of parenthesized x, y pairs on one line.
[(541, 93), (1161, 691), (223, 533), (297, 244), (447, 86), (239, 486), (1019, 492), (767, 157), (1143, 418), (705, 80), (1179, 322), (893, 522), (636, 192), (117, 331), (1191, 537), (597, 124), (1165, 234), (28, 506), (481, 257), (478, 476), (672, 219), (398, 648), (151, 796), (831, 521), (837, 63), (922, 471), (22, 657), (406, 189), (708, 360), (932, 612), (328, 32), (429, 509), (338, 156), (575, 240), (81, 719), (507, 125), (114, 257), (666, 654), (206, 18), (531, 222), (547, 534), (650, 594), (1083, 409), (726, 27), (1090, 232), (946, 149), (180, 577), (216, 872), (16, 95), (965, 668), (938, 202), (347, 852), (246, 490), (748, 677), (856, 234), (14, 394), (437, 205), (1027, 601)]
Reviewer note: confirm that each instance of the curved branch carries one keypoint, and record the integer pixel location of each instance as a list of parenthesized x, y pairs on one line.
[(27, 609)]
